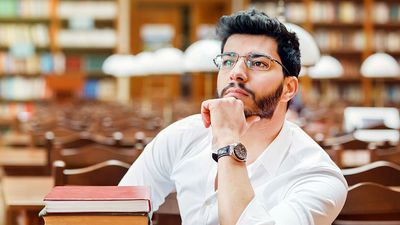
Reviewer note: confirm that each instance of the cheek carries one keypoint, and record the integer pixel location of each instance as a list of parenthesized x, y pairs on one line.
[(222, 82), (265, 86)]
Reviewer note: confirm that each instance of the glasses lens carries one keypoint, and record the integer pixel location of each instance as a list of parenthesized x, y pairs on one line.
[(259, 63), (226, 61)]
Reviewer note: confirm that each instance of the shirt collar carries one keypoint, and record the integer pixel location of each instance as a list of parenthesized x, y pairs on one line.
[(274, 154)]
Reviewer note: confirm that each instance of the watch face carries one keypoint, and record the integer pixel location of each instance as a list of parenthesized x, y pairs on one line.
[(240, 151)]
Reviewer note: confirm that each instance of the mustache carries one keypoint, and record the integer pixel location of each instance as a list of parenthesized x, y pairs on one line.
[(238, 85)]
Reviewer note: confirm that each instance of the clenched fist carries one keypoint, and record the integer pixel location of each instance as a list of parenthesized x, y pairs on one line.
[(227, 120)]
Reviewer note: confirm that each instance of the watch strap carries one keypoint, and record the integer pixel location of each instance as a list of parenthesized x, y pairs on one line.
[(224, 151)]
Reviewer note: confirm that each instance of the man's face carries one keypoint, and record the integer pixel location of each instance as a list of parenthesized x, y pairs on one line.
[(260, 91)]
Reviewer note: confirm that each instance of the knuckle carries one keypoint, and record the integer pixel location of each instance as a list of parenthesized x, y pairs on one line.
[(231, 100)]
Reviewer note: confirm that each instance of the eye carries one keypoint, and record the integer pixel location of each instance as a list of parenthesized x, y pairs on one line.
[(259, 64), (227, 62)]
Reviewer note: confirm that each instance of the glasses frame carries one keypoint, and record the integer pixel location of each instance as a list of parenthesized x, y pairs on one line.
[(247, 57)]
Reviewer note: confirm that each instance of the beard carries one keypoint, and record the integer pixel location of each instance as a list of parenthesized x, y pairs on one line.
[(264, 106)]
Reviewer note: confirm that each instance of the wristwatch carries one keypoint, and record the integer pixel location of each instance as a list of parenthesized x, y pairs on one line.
[(236, 150)]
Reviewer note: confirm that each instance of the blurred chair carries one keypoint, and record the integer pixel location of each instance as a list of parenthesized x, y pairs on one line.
[(370, 117), (381, 172), (390, 155), (168, 213), (335, 153), (95, 153), (77, 140), (370, 204), (346, 142), (107, 173)]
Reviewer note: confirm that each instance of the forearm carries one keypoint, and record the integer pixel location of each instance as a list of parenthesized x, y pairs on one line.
[(234, 190), (228, 122)]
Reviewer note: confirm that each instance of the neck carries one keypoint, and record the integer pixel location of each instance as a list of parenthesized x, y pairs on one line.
[(262, 133)]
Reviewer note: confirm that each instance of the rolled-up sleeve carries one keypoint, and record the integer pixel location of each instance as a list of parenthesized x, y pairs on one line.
[(316, 199)]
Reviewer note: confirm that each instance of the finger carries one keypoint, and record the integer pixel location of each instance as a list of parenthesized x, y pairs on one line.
[(205, 113)]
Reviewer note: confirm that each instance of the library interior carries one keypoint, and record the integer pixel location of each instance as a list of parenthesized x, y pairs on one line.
[(85, 85)]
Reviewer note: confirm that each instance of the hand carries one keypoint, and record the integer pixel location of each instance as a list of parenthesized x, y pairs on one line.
[(227, 119)]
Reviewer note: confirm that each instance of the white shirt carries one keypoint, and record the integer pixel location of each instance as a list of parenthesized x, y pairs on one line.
[(294, 180)]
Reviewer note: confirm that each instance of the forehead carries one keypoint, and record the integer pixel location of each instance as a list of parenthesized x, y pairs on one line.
[(246, 43)]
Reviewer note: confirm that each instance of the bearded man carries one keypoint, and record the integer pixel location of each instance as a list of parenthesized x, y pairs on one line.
[(240, 161)]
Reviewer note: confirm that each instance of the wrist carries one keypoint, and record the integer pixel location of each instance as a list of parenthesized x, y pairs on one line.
[(223, 140), (217, 144), (230, 161), (236, 151)]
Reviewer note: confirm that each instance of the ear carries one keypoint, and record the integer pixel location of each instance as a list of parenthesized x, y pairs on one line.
[(290, 87)]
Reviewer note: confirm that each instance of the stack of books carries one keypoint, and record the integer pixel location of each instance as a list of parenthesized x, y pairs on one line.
[(97, 205)]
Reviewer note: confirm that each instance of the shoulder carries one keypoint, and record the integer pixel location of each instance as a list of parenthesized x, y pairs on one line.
[(307, 163), (306, 153), (187, 126), (183, 134)]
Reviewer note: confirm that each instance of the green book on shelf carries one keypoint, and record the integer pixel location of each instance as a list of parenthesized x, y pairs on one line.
[(8, 8), (93, 63)]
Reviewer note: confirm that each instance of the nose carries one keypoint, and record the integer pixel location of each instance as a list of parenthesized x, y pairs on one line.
[(239, 71)]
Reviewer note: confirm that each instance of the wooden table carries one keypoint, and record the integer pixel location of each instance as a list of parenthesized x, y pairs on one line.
[(16, 139), (24, 161), (23, 198)]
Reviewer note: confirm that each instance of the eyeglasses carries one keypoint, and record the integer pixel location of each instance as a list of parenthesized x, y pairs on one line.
[(254, 61)]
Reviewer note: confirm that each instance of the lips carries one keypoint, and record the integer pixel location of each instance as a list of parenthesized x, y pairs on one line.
[(236, 92)]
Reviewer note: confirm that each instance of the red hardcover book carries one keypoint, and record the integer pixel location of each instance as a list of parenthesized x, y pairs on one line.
[(74, 199), (74, 63)]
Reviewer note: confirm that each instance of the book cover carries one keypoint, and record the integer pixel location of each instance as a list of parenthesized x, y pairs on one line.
[(73, 63), (67, 199), (91, 89)]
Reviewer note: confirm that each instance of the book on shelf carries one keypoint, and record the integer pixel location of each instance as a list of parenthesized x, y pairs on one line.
[(103, 10), (100, 89), (106, 90), (24, 8), (94, 63), (8, 8), (329, 40), (22, 88), (91, 89), (87, 38), (95, 199), (88, 63), (73, 63), (13, 34), (386, 41), (13, 109)]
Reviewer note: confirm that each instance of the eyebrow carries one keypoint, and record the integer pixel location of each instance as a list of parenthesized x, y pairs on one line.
[(254, 54)]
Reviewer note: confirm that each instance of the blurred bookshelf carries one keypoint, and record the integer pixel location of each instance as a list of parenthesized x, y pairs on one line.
[(40, 38), (173, 23), (350, 31), (87, 35)]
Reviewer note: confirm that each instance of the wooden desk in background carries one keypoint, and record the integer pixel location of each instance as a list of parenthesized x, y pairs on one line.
[(24, 161), (16, 139), (23, 198)]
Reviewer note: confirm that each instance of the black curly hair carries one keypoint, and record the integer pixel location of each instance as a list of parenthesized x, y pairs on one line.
[(258, 23)]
